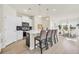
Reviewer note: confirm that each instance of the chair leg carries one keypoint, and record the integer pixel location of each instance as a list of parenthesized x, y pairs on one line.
[(51, 42), (57, 38), (41, 47), (35, 44), (46, 44), (54, 39)]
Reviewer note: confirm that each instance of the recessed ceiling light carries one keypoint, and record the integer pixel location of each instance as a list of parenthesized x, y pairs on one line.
[(39, 16), (54, 9), (25, 10)]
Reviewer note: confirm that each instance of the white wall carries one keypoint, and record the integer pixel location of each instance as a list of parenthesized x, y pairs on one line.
[(51, 22), (9, 25), (1, 24), (45, 21), (37, 20), (0, 17)]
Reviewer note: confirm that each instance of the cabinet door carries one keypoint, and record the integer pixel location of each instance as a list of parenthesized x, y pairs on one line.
[(19, 33)]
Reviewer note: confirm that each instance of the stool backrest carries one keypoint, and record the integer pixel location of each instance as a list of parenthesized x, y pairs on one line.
[(54, 32), (43, 34), (49, 34)]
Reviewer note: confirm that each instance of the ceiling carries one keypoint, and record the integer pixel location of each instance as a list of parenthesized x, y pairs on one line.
[(46, 9)]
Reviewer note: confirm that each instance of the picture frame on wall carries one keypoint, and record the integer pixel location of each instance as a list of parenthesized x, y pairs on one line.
[(40, 26)]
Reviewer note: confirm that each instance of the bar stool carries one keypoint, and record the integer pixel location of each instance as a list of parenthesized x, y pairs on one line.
[(49, 37), (42, 40), (55, 36)]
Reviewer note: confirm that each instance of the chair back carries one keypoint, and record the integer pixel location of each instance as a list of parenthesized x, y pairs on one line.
[(43, 34), (54, 33), (49, 34)]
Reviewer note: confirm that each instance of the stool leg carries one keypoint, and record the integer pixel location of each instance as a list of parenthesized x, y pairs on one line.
[(46, 44), (41, 47), (51, 42), (35, 44), (54, 39), (57, 38)]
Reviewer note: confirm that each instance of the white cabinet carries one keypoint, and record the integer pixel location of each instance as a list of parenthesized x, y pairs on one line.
[(19, 33)]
